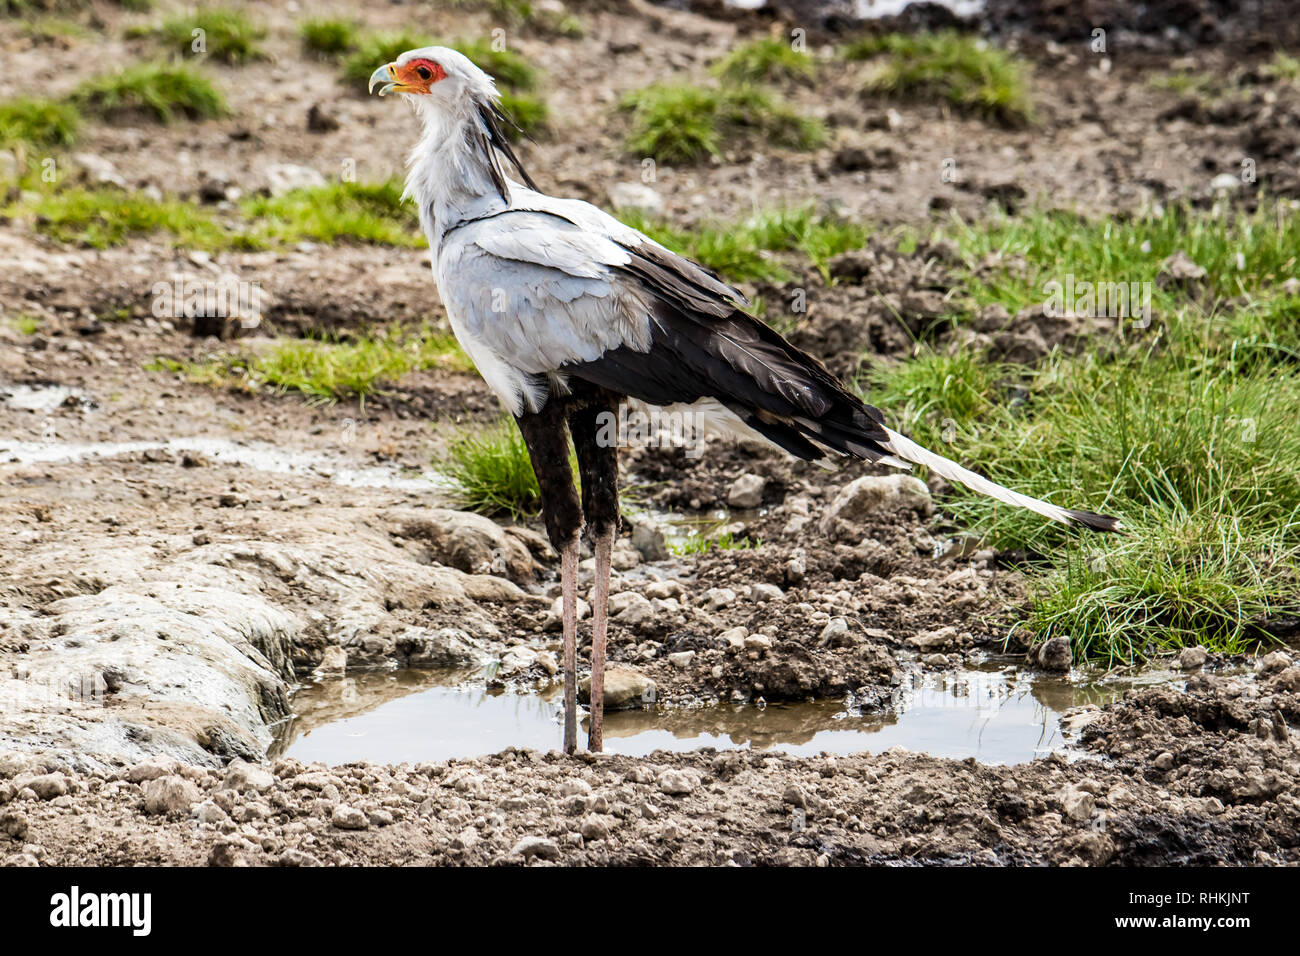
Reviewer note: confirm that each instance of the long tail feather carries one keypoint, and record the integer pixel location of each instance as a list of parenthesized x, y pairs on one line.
[(905, 448)]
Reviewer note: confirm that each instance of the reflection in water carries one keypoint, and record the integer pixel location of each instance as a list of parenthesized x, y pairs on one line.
[(996, 716)]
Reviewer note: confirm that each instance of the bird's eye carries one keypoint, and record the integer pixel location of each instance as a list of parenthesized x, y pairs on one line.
[(424, 72)]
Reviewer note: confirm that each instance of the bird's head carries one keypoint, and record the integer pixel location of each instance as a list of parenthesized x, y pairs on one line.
[(434, 76)]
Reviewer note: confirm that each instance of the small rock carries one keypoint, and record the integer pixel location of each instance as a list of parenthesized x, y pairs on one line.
[(676, 782), (48, 786), (1164, 761), (320, 119), (536, 846), (575, 787), (718, 598), (632, 195), (13, 824), (746, 491), (1192, 658), (681, 659), (297, 858), (1225, 182), (1078, 804), (99, 170), (835, 627), (242, 776), (625, 689), (1055, 655), (871, 494), (1181, 269), (349, 818), (333, 662), (594, 828), (172, 796), (286, 177), (795, 797), (936, 640), (649, 541)]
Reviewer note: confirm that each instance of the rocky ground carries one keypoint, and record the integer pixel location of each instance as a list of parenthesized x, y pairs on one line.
[(177, 557), (1202, 777)]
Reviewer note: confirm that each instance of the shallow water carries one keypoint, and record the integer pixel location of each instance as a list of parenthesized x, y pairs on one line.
[(259, 456), (992, 713)]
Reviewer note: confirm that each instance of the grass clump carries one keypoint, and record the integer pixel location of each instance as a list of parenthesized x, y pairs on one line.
[(223, 33), (680, 123), (769, 59), (108, 216), (24, 324), (743, 250), (1185, 431), (490, 472), (1240, 252), (38, 122), (327, 371), (329, 38), (950, 67), (703, 544), (365, 212), (161, 91)]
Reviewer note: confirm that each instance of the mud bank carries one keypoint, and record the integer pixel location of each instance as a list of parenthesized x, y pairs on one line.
[(1202, 777)]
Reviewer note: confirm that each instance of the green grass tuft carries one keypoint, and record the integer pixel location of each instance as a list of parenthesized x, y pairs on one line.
[(769, 59), (742, 250), (38, 123), (366, 212), (1184, 429), (105, 217), (680, 123), (950, 67), (703, 544), (161, 91), (491, 473), (326, 371), (329, 38), (227, 34)]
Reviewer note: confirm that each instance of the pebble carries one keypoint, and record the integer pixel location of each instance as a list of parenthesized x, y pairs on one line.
[(349, 818), (48, 786), (242, 776), (746, 491), (676, 782), (172, 795), (536, 846)]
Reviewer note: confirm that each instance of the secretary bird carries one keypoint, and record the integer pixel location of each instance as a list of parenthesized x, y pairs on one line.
[(567, 313)]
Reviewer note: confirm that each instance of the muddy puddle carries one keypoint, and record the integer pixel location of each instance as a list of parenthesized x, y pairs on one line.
[(991, 712)]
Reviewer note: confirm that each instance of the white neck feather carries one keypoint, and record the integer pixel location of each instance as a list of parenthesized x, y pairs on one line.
[(448, 175)]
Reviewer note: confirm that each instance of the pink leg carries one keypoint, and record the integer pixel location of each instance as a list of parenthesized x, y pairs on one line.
[(569, 589), (603, 546)]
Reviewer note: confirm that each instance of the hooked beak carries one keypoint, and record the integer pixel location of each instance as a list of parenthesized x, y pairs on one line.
[(387, 76)]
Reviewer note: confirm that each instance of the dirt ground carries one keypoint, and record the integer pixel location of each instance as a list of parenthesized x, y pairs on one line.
[(176, 557)]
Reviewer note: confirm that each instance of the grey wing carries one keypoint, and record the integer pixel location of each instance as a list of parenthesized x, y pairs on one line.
[(540, 293)]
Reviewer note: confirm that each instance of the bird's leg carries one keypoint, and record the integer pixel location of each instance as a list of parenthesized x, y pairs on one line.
[(593, 426), (569, 600), (548, 447), (603, 546)]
